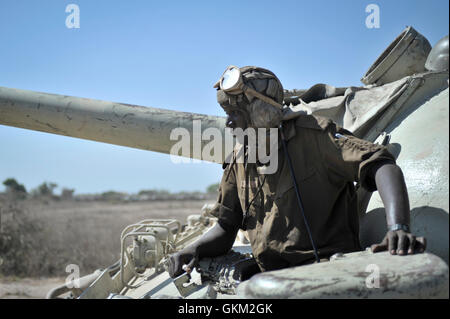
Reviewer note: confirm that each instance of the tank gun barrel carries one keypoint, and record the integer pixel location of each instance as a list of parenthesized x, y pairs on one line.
[(122, 124)]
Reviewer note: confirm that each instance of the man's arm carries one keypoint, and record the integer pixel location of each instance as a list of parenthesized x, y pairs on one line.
[(392, 189), (217, 241)]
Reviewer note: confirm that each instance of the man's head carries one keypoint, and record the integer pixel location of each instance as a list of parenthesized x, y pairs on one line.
[(251, 97)]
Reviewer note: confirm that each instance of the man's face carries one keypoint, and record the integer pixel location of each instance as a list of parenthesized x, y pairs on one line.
[(234, 107), (236, 119)]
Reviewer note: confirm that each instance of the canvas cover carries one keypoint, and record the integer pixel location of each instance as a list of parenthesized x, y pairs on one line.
[(353, 108)]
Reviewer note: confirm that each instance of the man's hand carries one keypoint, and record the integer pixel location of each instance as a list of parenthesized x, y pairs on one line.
[(399, 242), (180, 258), (215, 242), (392, 189)]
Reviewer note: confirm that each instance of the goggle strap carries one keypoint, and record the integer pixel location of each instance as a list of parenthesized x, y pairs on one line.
[(262, 97)]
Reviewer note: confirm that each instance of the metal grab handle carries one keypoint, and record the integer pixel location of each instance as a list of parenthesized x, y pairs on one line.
[(123, 251), (136, 230)]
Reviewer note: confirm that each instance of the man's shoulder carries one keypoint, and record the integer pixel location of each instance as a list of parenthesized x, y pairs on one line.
[(314, 122), (318, 124)]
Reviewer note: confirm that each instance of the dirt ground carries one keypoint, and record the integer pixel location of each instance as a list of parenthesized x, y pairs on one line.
[(27, 288), (90, 231)]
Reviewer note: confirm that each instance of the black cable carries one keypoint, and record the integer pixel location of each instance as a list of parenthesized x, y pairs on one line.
[(244, 218), (298, 192), (247, 177)]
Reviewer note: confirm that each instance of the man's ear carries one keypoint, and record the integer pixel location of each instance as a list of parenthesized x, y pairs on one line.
[(264, 115)]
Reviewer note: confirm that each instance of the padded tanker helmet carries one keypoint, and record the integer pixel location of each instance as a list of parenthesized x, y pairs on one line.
[(256, 90)]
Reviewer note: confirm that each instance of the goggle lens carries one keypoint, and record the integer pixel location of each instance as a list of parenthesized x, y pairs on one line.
[(230, 78)]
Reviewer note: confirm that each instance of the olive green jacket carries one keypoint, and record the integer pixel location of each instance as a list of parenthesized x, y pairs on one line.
[(327, 160)]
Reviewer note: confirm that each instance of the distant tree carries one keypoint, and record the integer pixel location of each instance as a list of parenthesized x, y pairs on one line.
[(45, 189), (154, 192), (13, 187), (67, 193), (162, 192), (213, 188), (113, 196), (52, 186)]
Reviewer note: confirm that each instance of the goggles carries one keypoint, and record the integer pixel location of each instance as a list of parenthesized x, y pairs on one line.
[(231, 82)]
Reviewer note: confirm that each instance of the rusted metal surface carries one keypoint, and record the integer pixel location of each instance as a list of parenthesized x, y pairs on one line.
[(134, 126), (355, 275)]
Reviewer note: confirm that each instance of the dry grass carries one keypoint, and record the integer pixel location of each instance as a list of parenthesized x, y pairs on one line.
[(46, 236)]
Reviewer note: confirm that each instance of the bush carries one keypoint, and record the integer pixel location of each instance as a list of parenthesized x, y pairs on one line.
[(18, 242)]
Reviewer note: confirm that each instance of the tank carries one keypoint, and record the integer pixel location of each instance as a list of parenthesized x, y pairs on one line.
[(414, 125)]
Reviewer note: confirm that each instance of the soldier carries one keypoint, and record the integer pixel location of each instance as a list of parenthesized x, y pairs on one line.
[(307, 210)]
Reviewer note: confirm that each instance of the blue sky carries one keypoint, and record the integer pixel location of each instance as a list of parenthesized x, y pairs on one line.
[(168, 54)]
